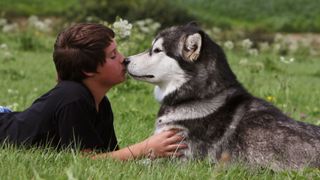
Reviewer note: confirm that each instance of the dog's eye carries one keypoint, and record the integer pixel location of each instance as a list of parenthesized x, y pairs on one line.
[(157, 50)]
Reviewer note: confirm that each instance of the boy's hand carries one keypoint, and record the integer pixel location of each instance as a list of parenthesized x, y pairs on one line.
[(164, 144)]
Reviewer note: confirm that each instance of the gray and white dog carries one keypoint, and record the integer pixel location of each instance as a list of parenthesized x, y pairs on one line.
[(200, 94)]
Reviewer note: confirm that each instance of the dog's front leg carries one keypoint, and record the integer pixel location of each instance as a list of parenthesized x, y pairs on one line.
[(181, 131)]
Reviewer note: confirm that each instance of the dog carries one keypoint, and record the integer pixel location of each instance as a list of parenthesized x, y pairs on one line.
[(219, 118)]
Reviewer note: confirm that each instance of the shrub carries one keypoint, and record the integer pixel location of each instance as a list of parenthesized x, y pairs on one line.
[(165, 11)]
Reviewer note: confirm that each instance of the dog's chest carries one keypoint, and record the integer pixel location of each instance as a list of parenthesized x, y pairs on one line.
[(197, 127)]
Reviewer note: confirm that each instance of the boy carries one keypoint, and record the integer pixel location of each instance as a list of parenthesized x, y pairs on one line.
[(76, 111)]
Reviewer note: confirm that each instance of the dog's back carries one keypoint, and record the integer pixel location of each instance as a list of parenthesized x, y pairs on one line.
[(250, 130), (268, 137)]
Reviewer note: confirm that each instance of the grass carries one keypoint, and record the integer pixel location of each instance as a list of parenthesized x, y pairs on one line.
[(48, 164), (35, 7), (295, 88)]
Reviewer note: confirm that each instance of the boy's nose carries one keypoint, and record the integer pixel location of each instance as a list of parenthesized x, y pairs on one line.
[(126, 61)]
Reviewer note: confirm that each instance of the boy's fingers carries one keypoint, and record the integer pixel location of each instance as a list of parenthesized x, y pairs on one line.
[(169, 133), (176, 147), (175, 139), (173, 131)]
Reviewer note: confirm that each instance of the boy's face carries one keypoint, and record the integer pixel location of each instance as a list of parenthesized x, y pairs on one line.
[(113, 71)]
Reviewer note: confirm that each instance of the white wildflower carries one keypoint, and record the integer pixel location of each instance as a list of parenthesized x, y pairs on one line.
[(253, 52), (105, 23), (282, 58), (243, 61), (35, 22), (10, 28), (41, 26), (278, 37), (122, 28), (140, 23), (14, 106), (3, 46), (246, 44), (144, 29), (291, 60), (286, 61), (276, 47), (216, 30), (229, 45), (259, 65), (48, 21), (89, 19), (3, 21), (147, 25), (7, 55), (33, 19), (264, 46), (148, 21), (154, 26), (11, 91)]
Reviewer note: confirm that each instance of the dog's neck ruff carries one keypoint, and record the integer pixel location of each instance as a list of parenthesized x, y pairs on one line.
[(158, 94), (194, 109), (161, 91)]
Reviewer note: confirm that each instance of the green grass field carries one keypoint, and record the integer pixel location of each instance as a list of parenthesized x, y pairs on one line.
[(253, 15), (27, 71)]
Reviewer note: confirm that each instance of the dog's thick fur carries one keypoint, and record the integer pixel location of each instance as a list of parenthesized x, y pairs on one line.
[(201, 95)]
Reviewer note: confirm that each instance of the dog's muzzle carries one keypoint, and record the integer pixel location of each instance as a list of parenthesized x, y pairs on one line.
[(126, 61), (141, 77)]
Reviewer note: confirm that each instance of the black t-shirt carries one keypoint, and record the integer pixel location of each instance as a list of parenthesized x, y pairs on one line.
[(64, 116)]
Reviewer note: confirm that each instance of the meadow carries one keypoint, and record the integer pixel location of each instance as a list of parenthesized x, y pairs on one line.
[(280, 70)]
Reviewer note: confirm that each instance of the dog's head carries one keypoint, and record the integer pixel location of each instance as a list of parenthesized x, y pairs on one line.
[(178, 55), (161, 62)]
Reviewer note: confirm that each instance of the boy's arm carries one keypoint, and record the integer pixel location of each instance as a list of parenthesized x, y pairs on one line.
[(164, 144)]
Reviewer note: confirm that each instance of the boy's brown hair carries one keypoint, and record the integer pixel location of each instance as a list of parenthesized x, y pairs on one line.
[(80, 48)]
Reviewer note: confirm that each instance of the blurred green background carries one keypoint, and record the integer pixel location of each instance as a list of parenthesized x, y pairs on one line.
[(271, 15)]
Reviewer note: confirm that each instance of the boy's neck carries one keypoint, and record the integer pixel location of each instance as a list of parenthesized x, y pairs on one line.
[(97, 90)]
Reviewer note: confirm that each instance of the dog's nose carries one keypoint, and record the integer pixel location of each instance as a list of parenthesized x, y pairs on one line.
[(126, 61)]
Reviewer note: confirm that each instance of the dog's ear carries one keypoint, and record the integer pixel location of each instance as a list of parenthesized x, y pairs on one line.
[(191, 47), (193, 23)]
